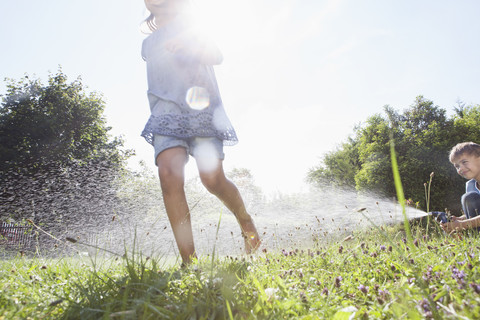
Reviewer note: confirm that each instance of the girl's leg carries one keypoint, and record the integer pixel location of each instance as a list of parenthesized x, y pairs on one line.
[(171, 164), (216, 183)]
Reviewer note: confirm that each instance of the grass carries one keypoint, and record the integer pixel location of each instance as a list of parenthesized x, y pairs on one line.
[(370, 276), (387, 272)]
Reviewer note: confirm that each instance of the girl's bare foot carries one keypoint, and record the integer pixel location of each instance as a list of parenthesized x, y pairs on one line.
[(250, 235)]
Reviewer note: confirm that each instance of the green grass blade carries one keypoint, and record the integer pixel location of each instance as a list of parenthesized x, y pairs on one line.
[(400, 194)]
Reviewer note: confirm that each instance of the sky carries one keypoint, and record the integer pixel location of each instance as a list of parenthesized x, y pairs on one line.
[(297, 76)]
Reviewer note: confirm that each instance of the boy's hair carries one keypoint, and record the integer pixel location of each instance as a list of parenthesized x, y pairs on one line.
[(470, 148)]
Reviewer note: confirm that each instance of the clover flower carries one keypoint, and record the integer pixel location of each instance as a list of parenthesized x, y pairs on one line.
[(271, 293)]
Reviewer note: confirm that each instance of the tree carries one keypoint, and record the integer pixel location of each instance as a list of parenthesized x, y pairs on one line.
[(57, 122), (57, 159), (423, 136), (340, 166)]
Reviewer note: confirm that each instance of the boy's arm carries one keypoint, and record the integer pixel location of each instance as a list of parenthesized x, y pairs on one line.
[(458, 225), (454, 218), (471, 223)]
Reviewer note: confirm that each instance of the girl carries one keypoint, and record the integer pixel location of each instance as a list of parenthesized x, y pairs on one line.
[(187, 117)]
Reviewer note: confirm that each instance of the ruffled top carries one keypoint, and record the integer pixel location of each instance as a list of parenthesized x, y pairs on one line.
[(187, 79)]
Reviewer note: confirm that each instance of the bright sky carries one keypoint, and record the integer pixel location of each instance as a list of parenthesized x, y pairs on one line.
[(298, 75)]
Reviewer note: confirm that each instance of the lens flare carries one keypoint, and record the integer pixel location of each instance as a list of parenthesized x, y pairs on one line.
[(197, 98)]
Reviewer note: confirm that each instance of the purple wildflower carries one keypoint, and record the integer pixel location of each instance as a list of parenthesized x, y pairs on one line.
[(303, 297), (338, 281), (424, 305), (363, 288), (475, 287)]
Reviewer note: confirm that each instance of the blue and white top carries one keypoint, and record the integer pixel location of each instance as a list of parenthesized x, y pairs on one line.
[(472, 186), (188, 81)]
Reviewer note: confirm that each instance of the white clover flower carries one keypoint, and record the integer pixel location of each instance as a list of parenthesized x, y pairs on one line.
[(217, 282), (271, 293)]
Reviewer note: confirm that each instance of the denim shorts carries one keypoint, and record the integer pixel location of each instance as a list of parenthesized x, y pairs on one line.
[(196, 147)]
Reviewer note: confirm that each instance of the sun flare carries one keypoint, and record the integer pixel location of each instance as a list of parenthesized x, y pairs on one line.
[(230, 25)]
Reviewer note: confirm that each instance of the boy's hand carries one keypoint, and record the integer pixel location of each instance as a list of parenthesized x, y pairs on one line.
[(454, 225), (455, 218)]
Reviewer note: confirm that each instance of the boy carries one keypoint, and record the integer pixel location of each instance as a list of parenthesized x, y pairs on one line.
[(466, 159)]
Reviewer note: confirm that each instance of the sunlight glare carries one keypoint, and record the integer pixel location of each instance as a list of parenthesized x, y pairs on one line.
[(230, 25), (206, 156)]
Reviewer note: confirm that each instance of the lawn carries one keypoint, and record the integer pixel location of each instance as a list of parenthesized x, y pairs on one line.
[(371, 274)]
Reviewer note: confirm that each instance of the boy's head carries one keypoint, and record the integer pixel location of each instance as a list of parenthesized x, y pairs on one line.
[(464, 148)]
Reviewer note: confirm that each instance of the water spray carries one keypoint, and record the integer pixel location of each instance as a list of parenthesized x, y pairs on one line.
[(40, 229), (72, 240)]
